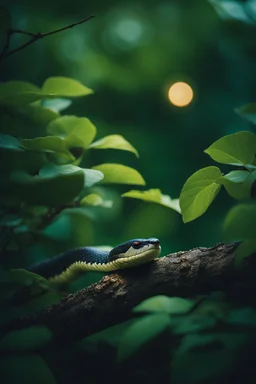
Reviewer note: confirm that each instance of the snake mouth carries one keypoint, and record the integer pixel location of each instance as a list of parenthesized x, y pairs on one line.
[(147, 255)]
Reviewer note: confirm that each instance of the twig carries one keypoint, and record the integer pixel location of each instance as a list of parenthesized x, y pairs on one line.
[(35, 37)]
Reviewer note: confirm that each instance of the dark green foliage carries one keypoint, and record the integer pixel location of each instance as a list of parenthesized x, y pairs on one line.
[(55, 181)]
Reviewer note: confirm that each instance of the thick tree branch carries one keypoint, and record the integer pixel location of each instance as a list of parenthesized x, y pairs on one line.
[(111, 300), (35, 36)]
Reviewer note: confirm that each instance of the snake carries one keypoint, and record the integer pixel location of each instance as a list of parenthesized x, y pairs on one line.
[(67, 266)]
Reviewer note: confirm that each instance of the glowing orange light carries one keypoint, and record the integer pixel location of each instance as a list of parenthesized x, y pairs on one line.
[(180, 94)]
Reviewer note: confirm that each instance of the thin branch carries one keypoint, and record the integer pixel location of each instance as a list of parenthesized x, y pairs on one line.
[(7, 43), (35, 37), (110, 301), (23, 32)]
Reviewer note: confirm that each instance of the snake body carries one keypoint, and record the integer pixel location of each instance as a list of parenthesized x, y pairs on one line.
[(67, 266)]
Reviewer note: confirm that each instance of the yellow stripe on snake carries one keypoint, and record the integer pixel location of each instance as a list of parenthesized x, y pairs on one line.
[(67, 266)]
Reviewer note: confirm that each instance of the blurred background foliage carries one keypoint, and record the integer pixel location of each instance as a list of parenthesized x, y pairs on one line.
[(130, 54)]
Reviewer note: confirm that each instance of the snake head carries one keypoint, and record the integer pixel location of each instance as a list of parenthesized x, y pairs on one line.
[(135, 247)]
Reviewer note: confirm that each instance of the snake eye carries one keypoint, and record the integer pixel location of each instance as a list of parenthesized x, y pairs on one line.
[(136, 244)]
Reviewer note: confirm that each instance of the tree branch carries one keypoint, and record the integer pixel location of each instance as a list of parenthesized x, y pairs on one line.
[(35, 37), (111, 300)]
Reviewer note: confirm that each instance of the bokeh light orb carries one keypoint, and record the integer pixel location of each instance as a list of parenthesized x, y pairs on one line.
[(180, 94)]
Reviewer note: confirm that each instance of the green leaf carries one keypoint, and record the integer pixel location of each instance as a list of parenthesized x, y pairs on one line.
[(10, 220), (95, 200), (54, 185), (65, 87), (47, 298), (164, 304), (204, 358), (48, 143), (240, 225), (9, 142), (25, 368), (235, 149), (91, 176), (240, 222), (92, 199), (248, 112), (198, 192), (245, 249), (18, 93), (114, 142), (154, 196), (24, 277), (28, 339), (236, 184), (194, 323), (77, 131), (37, 114), (140, 333), (120, 174), (56, 105)]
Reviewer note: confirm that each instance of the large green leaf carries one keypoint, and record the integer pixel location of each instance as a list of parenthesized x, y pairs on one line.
[(54, 185), (28, 339), (238, 183), (120, 174), (114, 142), (48, 143), (140, 333), (77, 131), (236, 149), (64, 86), (248, 112), (25, 368), (154, 196), (164, 304), (20, 93), (198, 192)]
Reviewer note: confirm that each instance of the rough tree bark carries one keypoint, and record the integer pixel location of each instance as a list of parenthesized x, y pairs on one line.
[(111, 300)]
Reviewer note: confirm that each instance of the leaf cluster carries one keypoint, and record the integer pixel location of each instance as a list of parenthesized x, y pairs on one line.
[(169, 338), (43, 152), (239, 151)]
